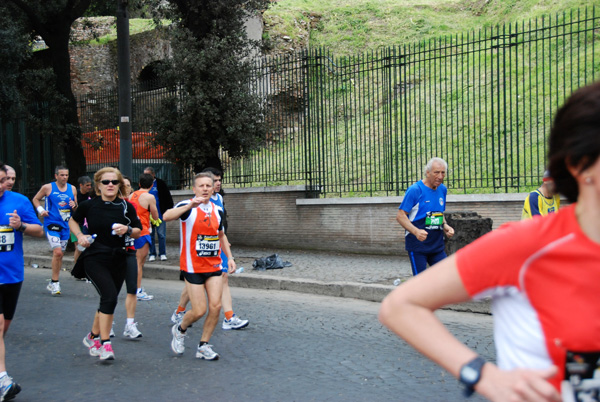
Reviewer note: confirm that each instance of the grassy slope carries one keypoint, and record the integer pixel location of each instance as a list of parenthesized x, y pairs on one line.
[(354, 26)]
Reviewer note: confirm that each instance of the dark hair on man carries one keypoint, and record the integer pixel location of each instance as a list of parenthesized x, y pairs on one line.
[(3, 167), (84, 180), (214, 171), (575, 139), (146, 180), (60, 167)]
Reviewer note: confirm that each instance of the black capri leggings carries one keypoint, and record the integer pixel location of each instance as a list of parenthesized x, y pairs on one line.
[(132, 273), (107, 273)]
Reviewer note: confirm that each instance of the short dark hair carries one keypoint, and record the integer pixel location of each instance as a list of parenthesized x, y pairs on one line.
[(60, 167), (575, 139), (146, 180), (214, 171), (84, 180), (3, 167)]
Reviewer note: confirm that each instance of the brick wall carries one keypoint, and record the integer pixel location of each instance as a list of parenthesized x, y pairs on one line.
[(283, 217)]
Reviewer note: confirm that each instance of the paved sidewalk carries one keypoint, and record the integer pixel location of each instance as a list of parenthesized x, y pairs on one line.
[(366, 277)]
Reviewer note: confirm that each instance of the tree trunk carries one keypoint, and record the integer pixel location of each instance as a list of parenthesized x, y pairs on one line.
[(61, 64)]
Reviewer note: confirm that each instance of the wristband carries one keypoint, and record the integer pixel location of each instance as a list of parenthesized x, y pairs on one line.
[(129, 230), (40, 209), (77, 235), (22, 228)]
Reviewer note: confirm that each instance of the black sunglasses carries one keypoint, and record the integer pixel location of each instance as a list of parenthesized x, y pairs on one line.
[(114, 182)]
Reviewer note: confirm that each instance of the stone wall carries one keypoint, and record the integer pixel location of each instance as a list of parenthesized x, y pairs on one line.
[(94, 67), (284, 217)]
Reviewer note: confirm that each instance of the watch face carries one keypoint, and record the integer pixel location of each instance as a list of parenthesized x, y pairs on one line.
[(469, 374)]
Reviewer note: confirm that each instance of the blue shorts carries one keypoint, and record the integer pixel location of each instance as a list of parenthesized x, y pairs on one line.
[(141, 241), (57, 238)]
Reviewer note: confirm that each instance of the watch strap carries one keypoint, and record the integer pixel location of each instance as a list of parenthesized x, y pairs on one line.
[(477, 365)]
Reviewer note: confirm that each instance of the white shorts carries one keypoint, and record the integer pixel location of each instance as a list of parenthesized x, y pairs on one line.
[(55, 241)]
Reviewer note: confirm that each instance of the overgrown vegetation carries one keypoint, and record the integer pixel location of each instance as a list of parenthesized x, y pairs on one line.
[(353, 26), (482, 100)]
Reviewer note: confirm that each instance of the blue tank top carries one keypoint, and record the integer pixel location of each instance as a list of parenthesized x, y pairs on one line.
[(217, 199), (57, 205)]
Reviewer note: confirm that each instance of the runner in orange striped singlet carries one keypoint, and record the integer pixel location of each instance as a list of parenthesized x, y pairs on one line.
[(145, 206), (202, 237)]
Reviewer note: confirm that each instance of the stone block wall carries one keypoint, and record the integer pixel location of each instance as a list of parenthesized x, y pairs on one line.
[(94, 67), (284, 217)]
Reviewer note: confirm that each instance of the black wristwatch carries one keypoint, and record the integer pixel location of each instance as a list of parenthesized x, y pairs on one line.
[(470, 374)]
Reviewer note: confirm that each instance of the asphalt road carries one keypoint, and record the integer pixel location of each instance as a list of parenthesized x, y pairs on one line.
[(298, 347)]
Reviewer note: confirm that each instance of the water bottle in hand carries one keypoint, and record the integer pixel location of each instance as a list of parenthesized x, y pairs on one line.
[(90, 239)]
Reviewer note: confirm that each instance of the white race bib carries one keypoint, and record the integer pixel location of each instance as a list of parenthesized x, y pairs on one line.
[(207, 246), (7, 238)]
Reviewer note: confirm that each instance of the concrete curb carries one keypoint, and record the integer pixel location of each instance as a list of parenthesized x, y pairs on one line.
[(251, 280)]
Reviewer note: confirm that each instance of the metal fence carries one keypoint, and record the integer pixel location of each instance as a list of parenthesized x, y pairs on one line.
[(98, 116), (26, 149), (367, 124)]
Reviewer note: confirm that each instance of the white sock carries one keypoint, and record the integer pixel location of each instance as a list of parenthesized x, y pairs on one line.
[(130, 321), (2, 374), (139, 290)]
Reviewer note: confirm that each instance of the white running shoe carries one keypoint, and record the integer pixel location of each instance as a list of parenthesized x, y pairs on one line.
[(8, 388), (54, 288), (152, 258), (112, 330), (163, 257), (234, 323), (106, 352), (132, 331), (88, 341), (94, 350), (205, 352), (142, 295), (176, 317), (177, 344)]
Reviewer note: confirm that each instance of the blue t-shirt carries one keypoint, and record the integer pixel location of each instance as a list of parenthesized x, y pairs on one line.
[(11, 240), (425, 208), (57, 205), (154, 192)]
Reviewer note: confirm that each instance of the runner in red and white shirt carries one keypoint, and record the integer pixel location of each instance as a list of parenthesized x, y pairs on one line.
[(202, 237), (543, 275)]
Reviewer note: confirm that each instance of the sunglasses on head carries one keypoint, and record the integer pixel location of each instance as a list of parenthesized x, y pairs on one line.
[(106, 182)]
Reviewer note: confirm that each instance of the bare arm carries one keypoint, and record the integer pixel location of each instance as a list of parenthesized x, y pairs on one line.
[(448, 230), (73, 203), (152, 207), (76, 230), (408, 311), (402, 218), (175, 213), (37, 199)]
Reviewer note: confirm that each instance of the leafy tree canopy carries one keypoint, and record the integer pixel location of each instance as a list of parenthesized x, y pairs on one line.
[(212, 67)]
